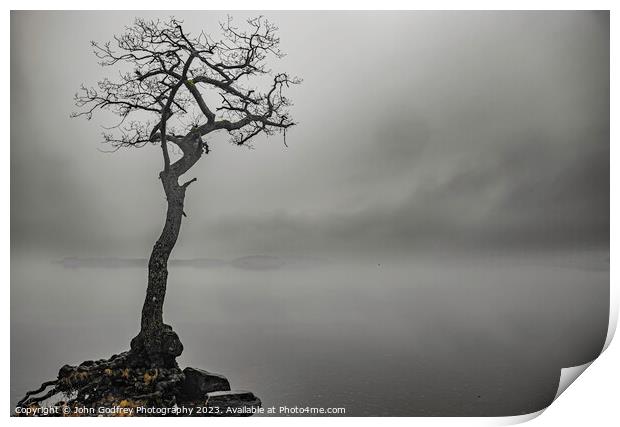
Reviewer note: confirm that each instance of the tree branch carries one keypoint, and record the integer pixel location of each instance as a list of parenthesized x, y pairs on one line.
[(187, 184), (172, 68)]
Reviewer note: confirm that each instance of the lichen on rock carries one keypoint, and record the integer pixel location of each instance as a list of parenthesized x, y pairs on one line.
[(123, 386)]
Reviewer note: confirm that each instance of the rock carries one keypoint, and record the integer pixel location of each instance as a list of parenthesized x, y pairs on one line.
[(65, 370), (198, 383), (232, 403), (116, 383)]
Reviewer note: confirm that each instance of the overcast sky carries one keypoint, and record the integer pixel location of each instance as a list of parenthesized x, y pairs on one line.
[(417, 130)]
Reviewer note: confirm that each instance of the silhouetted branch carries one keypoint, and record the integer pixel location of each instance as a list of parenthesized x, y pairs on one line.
[(170, 73), (187, 184)]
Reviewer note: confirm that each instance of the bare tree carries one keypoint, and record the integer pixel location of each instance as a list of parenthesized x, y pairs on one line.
[(165, 80)]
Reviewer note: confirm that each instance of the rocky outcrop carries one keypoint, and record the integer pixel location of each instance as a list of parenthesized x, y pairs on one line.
[(232, 403), (117, 387), (198, 383)]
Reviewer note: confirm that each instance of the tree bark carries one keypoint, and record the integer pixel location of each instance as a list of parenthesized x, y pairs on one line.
[(152, 311), (157, 342)]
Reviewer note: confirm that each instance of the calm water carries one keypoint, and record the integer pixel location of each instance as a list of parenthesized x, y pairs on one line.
[(447, 336)]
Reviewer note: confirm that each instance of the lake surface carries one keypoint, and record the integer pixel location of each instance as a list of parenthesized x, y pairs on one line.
[(480, 336)]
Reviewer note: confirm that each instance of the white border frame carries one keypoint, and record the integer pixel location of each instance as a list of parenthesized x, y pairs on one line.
[(592, 400)]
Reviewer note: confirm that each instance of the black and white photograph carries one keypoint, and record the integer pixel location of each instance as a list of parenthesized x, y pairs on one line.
[(306, 213)]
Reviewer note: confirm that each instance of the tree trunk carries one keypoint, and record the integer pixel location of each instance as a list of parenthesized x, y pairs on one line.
[(156, 340), (152, 311), (157, 344)]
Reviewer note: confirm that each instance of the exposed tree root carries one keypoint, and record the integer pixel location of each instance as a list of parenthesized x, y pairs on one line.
[(120, 381), (28, 400)]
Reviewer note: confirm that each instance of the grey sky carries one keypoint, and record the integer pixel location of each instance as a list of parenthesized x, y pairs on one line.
[(416, 130)]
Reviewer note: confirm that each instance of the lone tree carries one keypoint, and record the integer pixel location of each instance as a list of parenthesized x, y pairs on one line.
[(173, 89), (164, 94)]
